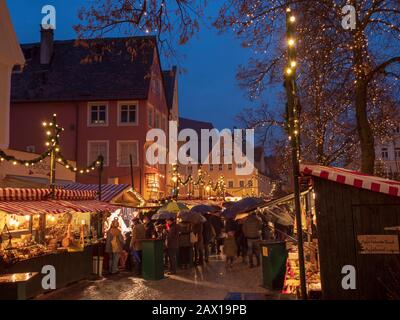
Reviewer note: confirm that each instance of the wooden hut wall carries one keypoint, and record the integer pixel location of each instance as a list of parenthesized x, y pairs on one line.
[(343, 212)]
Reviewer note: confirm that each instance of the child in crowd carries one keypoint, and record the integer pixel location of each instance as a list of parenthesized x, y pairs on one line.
[(230, 248)]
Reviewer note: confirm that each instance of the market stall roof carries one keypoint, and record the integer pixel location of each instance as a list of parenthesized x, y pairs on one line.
[(353, 178), (108, 191), (36, 201)]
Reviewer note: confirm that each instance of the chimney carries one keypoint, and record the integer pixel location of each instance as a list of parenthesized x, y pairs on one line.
[(46, 45)]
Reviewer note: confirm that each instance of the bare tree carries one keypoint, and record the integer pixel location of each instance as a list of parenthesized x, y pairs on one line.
[(354, 86)]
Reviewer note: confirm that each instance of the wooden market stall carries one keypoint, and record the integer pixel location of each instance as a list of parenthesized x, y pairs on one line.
[(38, 228), (358, 224)]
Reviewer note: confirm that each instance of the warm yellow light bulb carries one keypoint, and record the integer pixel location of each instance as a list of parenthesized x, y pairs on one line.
[(291, 42), (293, 64), (14, 163), (44, 124), (292, 19), (288, 71)]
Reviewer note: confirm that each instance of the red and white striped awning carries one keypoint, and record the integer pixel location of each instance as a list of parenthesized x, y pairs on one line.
[(19, 194), (353, 178), (108, 191), (54, 207), (38, 201)]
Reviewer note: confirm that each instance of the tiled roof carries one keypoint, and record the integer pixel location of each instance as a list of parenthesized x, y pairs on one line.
[(114, 74)]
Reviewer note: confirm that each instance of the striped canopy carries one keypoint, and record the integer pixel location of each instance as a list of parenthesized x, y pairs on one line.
[(354, 179), (108, 191), (37, 201)]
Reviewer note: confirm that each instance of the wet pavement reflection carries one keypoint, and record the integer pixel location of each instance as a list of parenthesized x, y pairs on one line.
[(209, 282)]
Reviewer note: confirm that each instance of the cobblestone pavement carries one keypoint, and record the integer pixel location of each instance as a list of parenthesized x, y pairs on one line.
[(211, 282)]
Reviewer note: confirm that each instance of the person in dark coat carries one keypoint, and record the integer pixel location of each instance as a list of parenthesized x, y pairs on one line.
[(172, 244), (218, 226), (185, 246), (241, 242), (231, 225), (127, 248), (149, 226), (207, 237), (197, 229)]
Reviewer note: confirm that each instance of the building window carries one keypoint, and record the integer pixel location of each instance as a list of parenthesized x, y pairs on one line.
[(150, 117), (97, 148), (128, 113), (230, 184), (220, 167), (397, 130), (385, 153), (126, 149), (211, 167), (241, 183), (250, 183), (397, 153), (98, 114), (229, 166)]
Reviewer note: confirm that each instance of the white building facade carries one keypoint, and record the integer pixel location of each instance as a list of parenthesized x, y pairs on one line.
[(388, 156)]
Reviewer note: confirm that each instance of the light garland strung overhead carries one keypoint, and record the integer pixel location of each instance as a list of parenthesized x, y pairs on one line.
[(53, 131)]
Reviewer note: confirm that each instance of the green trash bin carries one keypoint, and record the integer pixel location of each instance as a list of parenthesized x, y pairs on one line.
[(274, 256), (152, 259)]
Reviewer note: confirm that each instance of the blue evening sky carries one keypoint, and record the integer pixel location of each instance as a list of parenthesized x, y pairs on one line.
[(208, 90)]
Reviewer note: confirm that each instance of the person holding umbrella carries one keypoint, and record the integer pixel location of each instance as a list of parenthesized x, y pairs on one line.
[(172, 244)]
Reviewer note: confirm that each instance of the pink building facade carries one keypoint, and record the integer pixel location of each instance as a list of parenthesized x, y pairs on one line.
[(105, 108)]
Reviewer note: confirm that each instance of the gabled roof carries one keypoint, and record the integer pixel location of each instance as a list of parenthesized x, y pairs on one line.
[(196, 125), (105, 71), (10, 51), (169, 83), (354, 179)]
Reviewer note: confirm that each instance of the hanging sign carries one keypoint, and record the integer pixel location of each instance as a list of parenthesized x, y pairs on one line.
[(379, 244)]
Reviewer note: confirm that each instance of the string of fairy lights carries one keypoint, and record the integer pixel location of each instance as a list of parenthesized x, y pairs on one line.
[(218, 187), (53, 132)]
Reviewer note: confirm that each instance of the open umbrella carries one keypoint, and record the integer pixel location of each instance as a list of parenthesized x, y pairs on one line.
[(243, 206), (192, 216), (174, 207), (163, 215), (280, 214), (203, 208)]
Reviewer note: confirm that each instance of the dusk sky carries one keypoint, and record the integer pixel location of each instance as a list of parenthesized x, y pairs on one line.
[(208, 90)]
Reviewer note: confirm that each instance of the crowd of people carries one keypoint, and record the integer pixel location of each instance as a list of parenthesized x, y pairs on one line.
[(186, 244)]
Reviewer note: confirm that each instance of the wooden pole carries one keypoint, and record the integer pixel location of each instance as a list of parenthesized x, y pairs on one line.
[(53, 158), (100, 176), (294, 136), (132, 176)]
